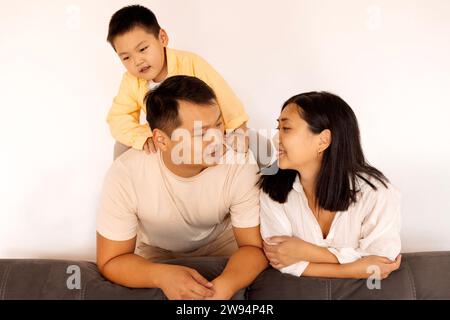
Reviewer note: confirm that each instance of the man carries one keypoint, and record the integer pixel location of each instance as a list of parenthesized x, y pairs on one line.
[(184, 200)]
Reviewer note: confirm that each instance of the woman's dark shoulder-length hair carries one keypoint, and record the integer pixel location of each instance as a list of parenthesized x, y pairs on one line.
[(343, 161)]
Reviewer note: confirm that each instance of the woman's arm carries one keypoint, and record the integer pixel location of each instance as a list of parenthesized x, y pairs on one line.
[(292, 249), (380, 230), (363, 268)]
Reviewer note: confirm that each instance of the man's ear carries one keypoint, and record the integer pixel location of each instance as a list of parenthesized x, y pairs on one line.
[(163, 37), (324, 140), (160, 139)]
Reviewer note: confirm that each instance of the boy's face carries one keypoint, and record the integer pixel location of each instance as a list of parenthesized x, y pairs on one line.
[(142, 53)]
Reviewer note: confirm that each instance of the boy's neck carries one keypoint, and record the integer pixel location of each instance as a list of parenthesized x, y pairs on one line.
[(163, 74)]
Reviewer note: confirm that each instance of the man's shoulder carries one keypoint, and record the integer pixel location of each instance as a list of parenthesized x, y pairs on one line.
[(132, 160), (241, 165)]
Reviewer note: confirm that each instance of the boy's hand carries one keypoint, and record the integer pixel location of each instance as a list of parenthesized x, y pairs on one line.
[(183, 283), (238, 139), (149, 146)]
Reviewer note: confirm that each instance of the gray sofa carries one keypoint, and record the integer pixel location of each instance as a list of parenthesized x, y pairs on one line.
[(421, 276)]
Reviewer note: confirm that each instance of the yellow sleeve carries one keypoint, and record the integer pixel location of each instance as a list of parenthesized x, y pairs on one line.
[(124, 115), (233, 111)]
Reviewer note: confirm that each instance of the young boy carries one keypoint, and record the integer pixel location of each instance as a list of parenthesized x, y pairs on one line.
[(141, 44)]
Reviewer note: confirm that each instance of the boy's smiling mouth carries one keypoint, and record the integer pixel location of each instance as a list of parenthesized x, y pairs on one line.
[(144, 69)]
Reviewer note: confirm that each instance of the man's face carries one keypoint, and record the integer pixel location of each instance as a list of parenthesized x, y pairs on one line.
[(142, 53), (199, 141)]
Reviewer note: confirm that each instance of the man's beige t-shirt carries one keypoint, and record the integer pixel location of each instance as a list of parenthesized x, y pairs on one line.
[(142, 197)]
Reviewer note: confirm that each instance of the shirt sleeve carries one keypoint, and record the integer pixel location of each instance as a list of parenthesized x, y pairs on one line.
[(380, 231), (275, 223), (124, 115), (233, 111), (244, 209), (117, 217)]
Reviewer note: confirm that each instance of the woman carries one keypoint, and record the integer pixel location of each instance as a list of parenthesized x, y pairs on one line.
[(327, 212)]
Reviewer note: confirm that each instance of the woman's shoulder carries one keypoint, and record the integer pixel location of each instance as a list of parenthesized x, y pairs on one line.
[(267, 202), (371, 188)]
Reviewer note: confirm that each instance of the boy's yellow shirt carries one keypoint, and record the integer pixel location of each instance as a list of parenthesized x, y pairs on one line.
[(124, 115)]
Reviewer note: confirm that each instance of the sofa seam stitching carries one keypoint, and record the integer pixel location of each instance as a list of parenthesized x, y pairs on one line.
[(83, 291), (4, 281), (411, 281), (330, 287)]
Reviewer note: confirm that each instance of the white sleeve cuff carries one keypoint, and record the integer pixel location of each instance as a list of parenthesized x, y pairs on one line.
[(295, 269), (345, 255)]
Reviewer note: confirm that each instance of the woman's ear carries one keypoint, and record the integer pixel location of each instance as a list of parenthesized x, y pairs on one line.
[(160, 139), (324, 140)]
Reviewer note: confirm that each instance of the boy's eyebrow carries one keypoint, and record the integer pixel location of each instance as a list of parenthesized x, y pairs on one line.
[(282, 119), (122, 53)]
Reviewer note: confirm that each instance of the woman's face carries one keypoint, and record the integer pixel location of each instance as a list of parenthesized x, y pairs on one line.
[(298, 146)]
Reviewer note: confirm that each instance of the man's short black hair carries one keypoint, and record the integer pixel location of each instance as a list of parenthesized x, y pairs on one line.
[(127, 18), (162, 102)]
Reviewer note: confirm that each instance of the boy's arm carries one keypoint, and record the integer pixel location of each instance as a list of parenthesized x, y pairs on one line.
[(243, 266), (233, 111), (124, 115)]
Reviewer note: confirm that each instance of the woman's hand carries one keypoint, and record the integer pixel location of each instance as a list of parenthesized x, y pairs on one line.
[(372, 265), (282, 251)]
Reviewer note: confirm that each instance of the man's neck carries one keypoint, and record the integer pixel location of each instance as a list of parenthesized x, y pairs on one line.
[(181, 170)]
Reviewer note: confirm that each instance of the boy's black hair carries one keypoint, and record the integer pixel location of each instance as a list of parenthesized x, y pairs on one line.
[(127, 18), (162, 102)]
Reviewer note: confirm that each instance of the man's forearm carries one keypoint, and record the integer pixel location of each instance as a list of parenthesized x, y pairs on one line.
[(132, 271), (243, 267)]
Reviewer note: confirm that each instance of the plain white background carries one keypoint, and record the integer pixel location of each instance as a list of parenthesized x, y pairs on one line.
[(387, 59)]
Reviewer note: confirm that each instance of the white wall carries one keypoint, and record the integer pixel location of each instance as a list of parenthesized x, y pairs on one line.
[(387, 59)]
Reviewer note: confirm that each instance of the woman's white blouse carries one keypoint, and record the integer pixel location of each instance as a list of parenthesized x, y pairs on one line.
[(370, 226)]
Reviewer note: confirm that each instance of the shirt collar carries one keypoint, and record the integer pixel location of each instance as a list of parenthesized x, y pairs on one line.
[(171, 68), (171, 62)]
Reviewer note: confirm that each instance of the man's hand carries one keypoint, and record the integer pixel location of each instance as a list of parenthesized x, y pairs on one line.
[(149, 146), (363, 268), (282, 251), (183, 283), (221, 290)]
